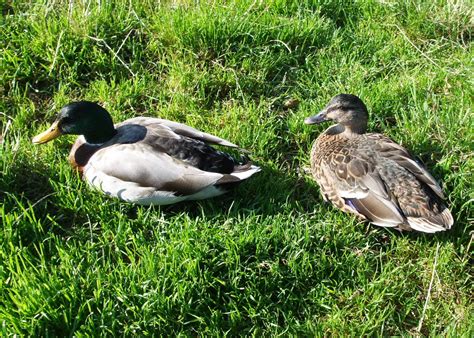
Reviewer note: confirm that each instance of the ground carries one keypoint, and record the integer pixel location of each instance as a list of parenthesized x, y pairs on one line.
[(270, 257)]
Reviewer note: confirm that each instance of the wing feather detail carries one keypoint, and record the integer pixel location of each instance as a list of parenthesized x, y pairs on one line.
[(374, 177)]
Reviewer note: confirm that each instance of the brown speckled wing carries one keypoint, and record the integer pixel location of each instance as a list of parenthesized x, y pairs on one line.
[(416, 191), (351, 181), (390, 150), (372, 176)]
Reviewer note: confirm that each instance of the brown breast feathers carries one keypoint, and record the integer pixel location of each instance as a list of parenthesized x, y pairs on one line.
[(80, 153)]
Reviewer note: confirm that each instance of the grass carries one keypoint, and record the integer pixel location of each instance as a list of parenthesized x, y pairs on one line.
[(271, 257)]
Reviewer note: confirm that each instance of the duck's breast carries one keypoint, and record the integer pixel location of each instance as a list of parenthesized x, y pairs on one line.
[(81, 152)]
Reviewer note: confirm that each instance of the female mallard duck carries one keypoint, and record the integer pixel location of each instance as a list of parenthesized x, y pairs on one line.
[(370, 175), (146, 160)]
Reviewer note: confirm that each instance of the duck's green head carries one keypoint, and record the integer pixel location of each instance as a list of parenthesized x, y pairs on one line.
[(80, 118), (347, 110)]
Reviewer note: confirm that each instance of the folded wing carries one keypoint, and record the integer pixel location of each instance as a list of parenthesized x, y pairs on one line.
[(137, 173), (381, 181)]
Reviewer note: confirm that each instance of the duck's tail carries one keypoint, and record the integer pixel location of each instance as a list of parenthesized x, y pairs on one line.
[(244, 171), (243, 165), (240, 173), (439, 222)]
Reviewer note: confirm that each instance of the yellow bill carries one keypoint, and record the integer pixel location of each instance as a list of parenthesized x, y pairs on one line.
[(48, 135)]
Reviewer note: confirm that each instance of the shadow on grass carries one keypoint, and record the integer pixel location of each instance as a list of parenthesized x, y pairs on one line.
[(257, 275), (268, 192), (29, 195)]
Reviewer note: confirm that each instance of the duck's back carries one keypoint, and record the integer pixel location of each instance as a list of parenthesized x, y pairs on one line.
[(181, 142), (372, 176)]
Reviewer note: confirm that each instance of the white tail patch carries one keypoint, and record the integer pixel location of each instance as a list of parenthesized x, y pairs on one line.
[(424, 225), (440, 222), (242, 175)]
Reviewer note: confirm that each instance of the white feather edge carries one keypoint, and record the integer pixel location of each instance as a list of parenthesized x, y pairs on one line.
[(425, 225)]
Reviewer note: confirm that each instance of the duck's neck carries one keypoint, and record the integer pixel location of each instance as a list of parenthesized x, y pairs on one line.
[(100, 136), (345, 130)]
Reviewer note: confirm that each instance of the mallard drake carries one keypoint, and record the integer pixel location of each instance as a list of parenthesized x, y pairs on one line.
[(146, 160), (371, 176)]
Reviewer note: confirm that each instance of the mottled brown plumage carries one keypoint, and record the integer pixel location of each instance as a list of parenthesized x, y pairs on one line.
[(370, 175)]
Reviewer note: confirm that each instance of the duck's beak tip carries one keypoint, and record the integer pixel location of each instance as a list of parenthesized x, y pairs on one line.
[(48, 135), (315, 119)]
